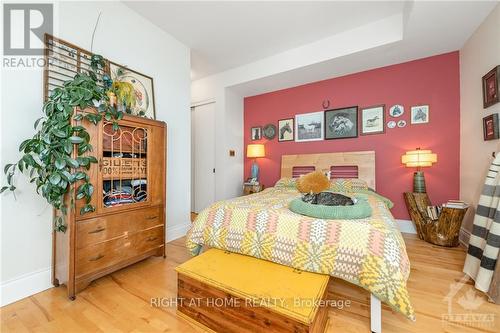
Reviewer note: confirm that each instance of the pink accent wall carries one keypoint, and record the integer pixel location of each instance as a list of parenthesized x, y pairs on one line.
[(433, 81)]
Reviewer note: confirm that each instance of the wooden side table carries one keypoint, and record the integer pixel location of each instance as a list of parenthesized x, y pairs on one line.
[(251, 189), (445, 230)]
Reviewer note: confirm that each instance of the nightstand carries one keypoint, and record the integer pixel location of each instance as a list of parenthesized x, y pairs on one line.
[(251, 189), (444, 231)]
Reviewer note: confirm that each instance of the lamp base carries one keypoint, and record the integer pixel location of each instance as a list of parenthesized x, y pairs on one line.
[(419, 182), (255, 170)]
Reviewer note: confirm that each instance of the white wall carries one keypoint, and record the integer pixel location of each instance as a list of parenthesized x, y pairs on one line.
[(126, 38), (478, 56)]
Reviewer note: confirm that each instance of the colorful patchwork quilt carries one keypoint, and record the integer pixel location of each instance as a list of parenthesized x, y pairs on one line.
[(368, 252)]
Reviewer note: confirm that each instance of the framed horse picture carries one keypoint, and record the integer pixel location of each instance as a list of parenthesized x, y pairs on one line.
[(373, 120), (341, 123), (285, 130), (309, 126)]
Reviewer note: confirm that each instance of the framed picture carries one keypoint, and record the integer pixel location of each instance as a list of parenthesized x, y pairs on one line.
[(256, 133), (341, 123), (286, 130), (491, 90), (490, 127), (309, 127), (373, 120), (419, 114), (143, 103)]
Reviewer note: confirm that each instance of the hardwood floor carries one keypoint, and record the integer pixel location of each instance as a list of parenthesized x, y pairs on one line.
[(122, 301)]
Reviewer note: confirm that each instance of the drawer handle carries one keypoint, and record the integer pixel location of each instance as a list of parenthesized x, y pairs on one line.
[(100, 256), (150, 239), (152, 217), (99, 229)]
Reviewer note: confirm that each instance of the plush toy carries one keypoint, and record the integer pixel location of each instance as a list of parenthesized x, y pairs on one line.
[(313, 183)]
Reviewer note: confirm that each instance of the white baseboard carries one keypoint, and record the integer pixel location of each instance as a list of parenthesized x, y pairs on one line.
[(24, 286), (33, 283), (177, 231), (406, 226)]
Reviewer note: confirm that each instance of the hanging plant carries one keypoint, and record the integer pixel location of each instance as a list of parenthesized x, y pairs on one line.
[(48, 156)]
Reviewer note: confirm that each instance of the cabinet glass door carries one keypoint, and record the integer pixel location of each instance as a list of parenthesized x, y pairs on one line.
[(124, 165)]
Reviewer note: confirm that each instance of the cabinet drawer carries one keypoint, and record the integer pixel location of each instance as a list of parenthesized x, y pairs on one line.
[(104, 228), (146, 240), (99, 256)]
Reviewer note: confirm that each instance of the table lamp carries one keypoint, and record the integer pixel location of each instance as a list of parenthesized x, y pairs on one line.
[(418, 159), (254, 151)]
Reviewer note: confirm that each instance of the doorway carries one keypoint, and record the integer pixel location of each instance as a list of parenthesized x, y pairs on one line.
[(203, 171)]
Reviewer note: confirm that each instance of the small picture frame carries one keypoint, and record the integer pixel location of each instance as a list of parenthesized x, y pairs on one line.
[(286, 130), (490, 127), (256, 133), (491, 90), (419, 114), (309, 126), (341, 123), (373, 120)]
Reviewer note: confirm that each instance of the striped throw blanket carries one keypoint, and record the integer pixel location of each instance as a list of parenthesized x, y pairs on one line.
[(484, 244)]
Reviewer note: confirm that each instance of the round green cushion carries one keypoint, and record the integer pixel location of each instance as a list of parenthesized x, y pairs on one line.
[(359, 210)]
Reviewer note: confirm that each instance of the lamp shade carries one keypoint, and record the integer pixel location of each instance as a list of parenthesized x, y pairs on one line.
[(419, 158), (256, 150)]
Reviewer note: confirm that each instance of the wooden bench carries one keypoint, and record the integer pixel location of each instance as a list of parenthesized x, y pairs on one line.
[(229, 292)]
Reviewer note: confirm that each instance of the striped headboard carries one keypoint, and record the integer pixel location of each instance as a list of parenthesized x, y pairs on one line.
[(357, 164)]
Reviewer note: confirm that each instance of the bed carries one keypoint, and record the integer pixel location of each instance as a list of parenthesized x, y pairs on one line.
[(368, 252)]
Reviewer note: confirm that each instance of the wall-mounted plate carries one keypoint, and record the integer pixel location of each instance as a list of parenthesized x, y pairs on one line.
[(402, 123), (269, 131), (391, 124), (396, 110)]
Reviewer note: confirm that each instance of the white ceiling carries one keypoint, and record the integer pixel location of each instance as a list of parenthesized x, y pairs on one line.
[(225, 35)]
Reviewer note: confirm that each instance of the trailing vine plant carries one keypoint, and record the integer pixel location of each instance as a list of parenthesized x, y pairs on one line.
[(48, 155)]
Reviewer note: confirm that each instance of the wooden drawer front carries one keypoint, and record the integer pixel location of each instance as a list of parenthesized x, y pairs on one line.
[(146, 240), (99, 256), (104, 228)]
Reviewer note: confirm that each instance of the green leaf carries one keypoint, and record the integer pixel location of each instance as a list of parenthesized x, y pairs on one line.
[(72, 162), (68, 147), (7, 167), (4, 188), (75, 139), (59, 133), (55, 178), (24, 144), (60, 163), (79, 175), (38, 122), (78, 117), (115, 127)]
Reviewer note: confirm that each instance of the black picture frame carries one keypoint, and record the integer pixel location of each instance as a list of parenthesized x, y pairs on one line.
[(491, 89), (292, 127), (347, 116), (490, 127), (258, 129)]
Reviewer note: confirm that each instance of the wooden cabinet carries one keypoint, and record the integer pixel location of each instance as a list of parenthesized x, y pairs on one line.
[(128, 224)]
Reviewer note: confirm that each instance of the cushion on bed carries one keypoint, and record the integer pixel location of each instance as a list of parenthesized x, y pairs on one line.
[(286, 182), (359, 210), (347, 185)]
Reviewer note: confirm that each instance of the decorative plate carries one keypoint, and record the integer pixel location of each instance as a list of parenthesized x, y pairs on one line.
[(402, 123), (391, 124), (269, 131), (396, 110)]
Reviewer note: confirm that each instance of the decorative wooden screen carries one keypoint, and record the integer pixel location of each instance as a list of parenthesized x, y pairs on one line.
[(344, 171), (63, 61), (124, 165)]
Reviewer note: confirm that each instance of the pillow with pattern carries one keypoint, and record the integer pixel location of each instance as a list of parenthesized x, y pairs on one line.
[(286, 182), (347, 185)]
